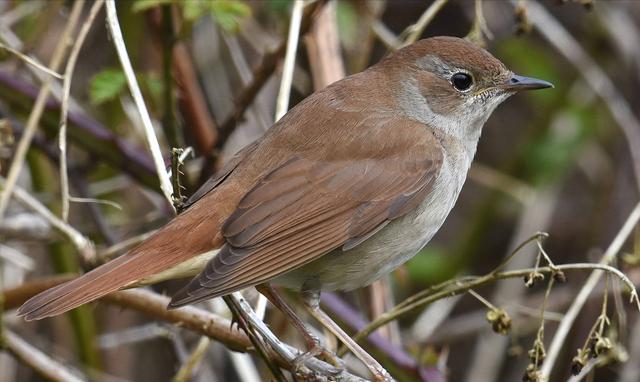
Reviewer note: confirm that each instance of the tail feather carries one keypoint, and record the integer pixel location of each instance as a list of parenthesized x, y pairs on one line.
[(194, 232)]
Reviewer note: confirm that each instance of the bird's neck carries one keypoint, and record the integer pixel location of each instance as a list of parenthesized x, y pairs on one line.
[(465, 129)]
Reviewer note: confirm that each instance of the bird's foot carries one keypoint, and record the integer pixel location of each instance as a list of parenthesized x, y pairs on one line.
[(315, 349)]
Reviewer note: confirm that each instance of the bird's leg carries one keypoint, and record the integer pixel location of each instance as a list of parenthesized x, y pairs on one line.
[(311, 298), (314, 347)]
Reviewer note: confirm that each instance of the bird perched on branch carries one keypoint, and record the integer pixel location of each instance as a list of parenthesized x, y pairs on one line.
[(347, 186)]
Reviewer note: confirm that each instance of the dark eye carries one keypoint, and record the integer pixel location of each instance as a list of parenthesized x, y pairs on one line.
[(461, 81)]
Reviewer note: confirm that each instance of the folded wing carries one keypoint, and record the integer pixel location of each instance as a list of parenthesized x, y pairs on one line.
[(307, 207)]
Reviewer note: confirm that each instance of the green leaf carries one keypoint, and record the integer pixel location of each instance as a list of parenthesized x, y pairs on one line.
[(143, 5), (193, 9), (106, 85), (229, 13), (347, 19)]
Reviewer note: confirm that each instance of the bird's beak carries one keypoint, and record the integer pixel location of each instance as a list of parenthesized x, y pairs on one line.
[(517, 83)]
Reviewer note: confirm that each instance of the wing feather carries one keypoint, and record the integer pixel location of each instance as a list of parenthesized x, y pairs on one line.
[(307, 207)]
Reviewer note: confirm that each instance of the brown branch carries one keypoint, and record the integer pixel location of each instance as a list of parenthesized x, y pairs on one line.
[(84, 131), (192, 318), (148, 303), (192, 101), (260, 75)]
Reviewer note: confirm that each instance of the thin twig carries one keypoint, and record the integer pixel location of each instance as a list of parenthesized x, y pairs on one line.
[(37, 360), (82, 243), (414, 31), (189, 317), (19, 12), (260, 74), (187, 368), (464, 284), (16, 258), (38, 108), (581, 298), (96, 201), (86, 132), (282, 102), (152, 140), (64, 106), (31, 61)]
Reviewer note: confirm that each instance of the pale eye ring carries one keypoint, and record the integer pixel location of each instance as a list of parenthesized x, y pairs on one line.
[(462, 81)]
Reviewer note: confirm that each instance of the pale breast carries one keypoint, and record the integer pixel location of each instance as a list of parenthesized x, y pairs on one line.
[(394, 244)]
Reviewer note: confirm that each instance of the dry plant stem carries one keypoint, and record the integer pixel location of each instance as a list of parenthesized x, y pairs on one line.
[(385, 35), (85, 131), (463, 285), (620, 109), (186, 370), (37, 360), (18, 12), (538, 344), (31, 61), (82, 243), (150, 135), (413, 32), (64, 107), (479, 28), (96, 201), (581, 298), (192, 100), (323, 48), (38, 108), (261, 73), (492, 178), (282, 103)]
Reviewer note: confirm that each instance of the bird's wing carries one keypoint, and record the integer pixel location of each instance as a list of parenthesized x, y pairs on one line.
[(307, 207), (197, 229)]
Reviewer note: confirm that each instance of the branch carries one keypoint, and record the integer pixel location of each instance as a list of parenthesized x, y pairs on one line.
[(581, 298), (261, 74), (82, 244), (413, 32), (64, 112), (37, 360), (189, 317), (152, 140), (31, 61), (455, 287), (38, 108), (84, 131), (282, 102)]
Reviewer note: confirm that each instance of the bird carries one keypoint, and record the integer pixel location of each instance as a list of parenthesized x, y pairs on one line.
[(351, 183)]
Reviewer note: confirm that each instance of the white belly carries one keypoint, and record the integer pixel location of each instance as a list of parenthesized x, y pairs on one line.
[(391, 246)]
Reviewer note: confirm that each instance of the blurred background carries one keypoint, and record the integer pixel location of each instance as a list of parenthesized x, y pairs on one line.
[(564, 161)]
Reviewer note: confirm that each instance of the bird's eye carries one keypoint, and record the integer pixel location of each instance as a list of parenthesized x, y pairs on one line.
[(461, 81)]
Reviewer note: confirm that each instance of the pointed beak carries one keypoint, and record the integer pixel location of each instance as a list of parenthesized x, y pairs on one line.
[(517, 83)]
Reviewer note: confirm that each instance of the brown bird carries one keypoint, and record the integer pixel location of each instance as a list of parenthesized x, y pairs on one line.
[(347, 186)]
